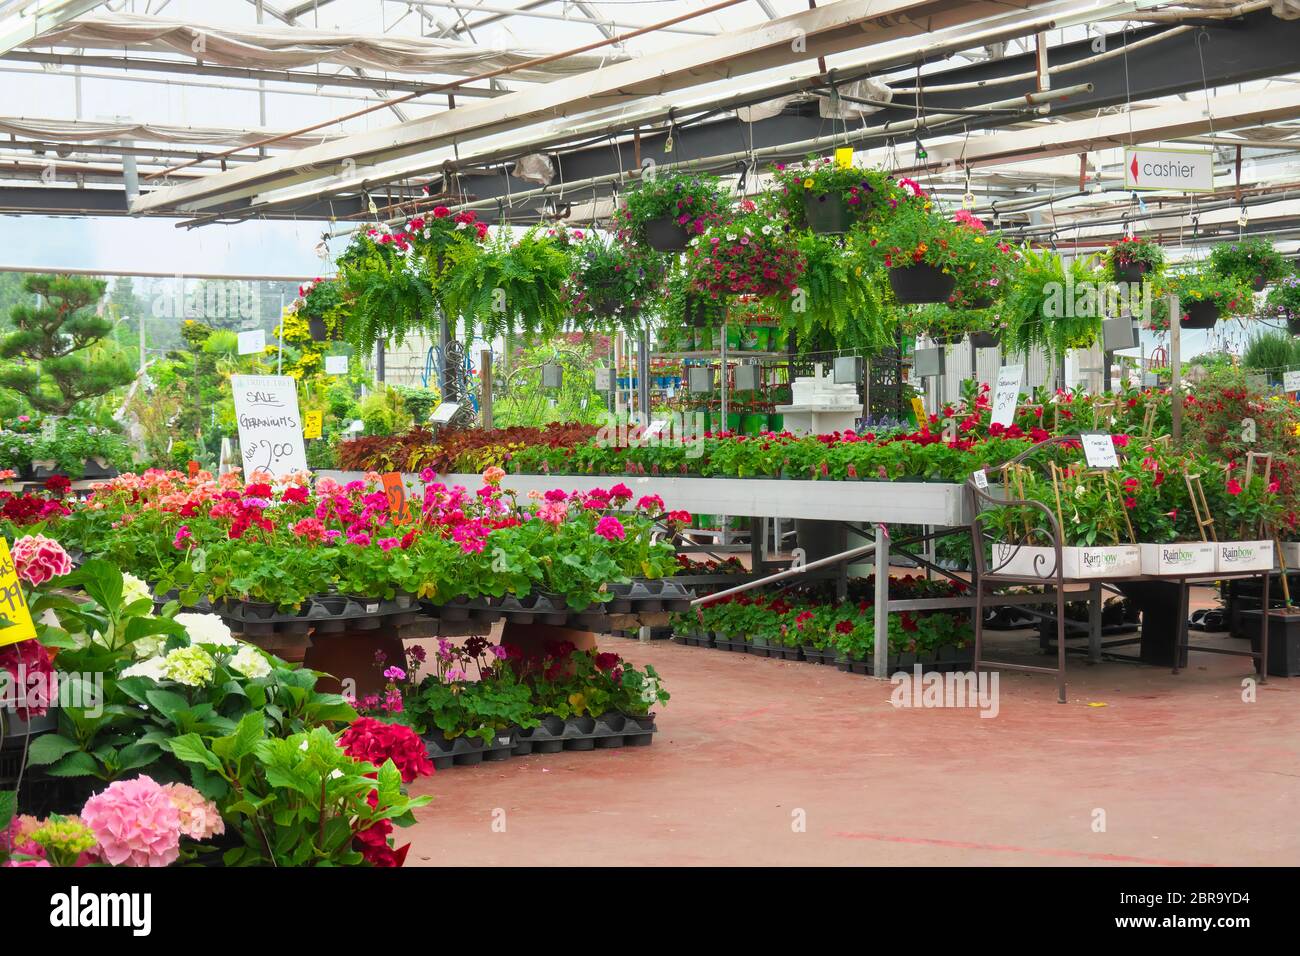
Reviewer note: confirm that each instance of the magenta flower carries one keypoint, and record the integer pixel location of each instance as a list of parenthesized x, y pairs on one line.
[(610, 528), (388, 544)]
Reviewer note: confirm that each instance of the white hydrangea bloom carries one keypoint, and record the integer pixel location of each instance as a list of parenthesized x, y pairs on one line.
[(250, 662), (206, 629), (133, 589), (155, 668)]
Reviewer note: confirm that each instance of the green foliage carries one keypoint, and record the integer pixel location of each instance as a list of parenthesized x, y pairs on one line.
[(691, 199), (1248, 260), (842, 294), (865, 192), (387, 295), (63, 359), (384, 413), (1272, 352), (1052, 305), (506, 287)]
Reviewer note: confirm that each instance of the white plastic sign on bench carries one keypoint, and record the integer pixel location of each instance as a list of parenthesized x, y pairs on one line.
[(1007, 393)]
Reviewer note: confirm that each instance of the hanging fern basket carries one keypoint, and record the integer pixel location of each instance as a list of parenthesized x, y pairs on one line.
[(664, 234), (1200, 315), (921, 284), (827, 213)]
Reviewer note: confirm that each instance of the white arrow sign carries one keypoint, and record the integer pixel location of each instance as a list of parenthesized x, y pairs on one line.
[(1176, 170)]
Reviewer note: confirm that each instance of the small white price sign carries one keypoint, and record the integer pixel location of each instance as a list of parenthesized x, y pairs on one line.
[(1007, 393), (1291, 381), (252, 341), (981, 479), (1099, 450), (336, 365)]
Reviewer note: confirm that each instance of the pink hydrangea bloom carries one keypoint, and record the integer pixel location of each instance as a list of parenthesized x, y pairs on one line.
[(199, 817), (38, 559), (135, 822)]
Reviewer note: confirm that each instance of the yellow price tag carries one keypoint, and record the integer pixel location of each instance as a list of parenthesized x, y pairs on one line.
[(844, 157), (312, 426), (13, 603), (918, 408)]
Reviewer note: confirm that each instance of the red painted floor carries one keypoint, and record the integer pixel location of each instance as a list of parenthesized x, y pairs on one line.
[(1184, 771)]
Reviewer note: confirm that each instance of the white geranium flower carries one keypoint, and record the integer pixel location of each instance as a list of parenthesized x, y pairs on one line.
[(650, 692), (155, 668), (250, 662), (206, 629), (133, 589)]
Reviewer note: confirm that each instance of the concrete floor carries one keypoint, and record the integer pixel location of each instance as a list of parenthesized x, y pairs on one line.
[(1184, 771)]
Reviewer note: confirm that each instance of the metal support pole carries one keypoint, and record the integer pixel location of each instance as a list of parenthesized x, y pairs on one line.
[(1095, 598), (485, 387), (1176, 367), (643, 375), (882, 604)]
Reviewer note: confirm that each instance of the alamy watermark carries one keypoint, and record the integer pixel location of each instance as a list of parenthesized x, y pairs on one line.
[(675, 429), (39, 689), (231, 299), (951, 689)]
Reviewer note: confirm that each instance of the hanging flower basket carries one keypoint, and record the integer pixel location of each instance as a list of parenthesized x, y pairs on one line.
[(1130, 271), (1259, 283), (827, 213), (319, 331), (664, 234), (748, 256), (1200, 315), (921, 283), (985, 340)]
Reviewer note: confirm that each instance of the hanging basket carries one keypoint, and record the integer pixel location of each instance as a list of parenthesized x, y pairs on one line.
[(921, 284), (1130, 272), (1259, 283), (981, 302), (695, 311), (1200, 315), (827, 213), (985, 340), (665, 234)]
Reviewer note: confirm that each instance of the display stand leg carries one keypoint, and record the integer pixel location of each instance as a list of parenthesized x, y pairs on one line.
[(349, 656), (1095, 598), (1180, 627), (978, 582), (881, 663), (1159, 603), (1060, 643), (1261, 666)]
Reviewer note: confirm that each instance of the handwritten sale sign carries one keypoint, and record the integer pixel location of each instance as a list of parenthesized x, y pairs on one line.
[(1007, 393), (270, 426), (13, 604)]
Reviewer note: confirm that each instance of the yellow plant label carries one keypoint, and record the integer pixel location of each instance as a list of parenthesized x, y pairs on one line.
[(13, 603), (844, 157), (312, 424)]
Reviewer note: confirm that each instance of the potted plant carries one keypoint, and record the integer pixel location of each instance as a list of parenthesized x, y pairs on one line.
[(610, 280), (1134, 259), (1242, 509), (1253, 262), (664, 211), (78, 448), (1051, 304), (986, 265), (828, 198), (1283, 302), (750, 255), (318, 300), (1205, 296), (503, 286), (1162, 517), (915, 245)]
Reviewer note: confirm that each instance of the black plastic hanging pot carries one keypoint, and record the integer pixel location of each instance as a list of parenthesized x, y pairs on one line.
[(920, 284), (665, 234), (695, 311), (1130, 272), (827, 213), (985, 340), (1200, 315), (319, 332), (1259, 283), (981, 302)]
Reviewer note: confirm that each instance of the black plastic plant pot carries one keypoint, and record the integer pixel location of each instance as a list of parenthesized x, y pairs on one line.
[(665, 234), (1283, 640), (316, 326), (331, 603), (827, 213), (981, 302), (605, 305), (695, 311), (1200, 315), (1258, 283), (985, 340), (1130, 272), (260, 610), (921, 284)]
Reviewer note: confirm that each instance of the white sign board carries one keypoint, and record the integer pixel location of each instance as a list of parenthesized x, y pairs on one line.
[(602, 380), (1007, 393), (981, 479), (270, 428), (1099, 450), (1175, 170), (251, 341), (336, 365), (1291, 381)]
